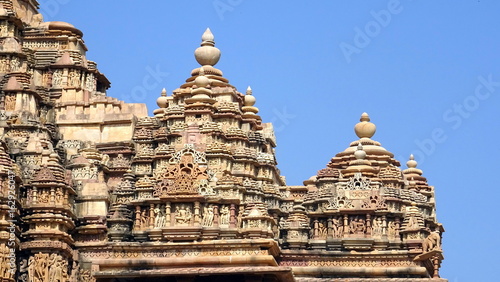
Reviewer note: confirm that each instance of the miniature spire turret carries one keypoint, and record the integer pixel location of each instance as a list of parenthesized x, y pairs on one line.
[(249, 101), (414, 175)]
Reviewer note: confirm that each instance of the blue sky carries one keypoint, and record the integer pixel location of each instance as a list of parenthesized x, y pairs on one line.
[(427, 72)]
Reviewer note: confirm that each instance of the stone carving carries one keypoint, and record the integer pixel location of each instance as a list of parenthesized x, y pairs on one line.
[(432, 242), (182, 178), (45, 267), (6, 268), (10, 102), (338, 227), (358, 182), (144, 220), (90, 82), (322, 230), (120, 162), (86, 275), (57, 77), (183, 215), (224, 218), (208, 216), (392, 230), (357, 225), (74, 78), (15, 64), (377, 226), (197, 157), (218, 195), (23, 270), (160, 219)]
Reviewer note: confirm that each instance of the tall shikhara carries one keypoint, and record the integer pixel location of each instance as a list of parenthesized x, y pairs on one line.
[(93, 189)]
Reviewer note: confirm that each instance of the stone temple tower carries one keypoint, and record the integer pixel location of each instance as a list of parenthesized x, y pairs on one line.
[(94, 189)]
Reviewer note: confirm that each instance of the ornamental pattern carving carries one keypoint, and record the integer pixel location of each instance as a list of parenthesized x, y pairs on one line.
[(359, 262), (184, 175), (186, 252)]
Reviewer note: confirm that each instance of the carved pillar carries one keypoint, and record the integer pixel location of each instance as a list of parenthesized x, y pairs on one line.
[(368, 224), (435, 261), (346, 225), (240, 215), (197, 219), (316, 229), (35, 196), (398, 226), (216, 216), (232, 216), (52, 196), (330, 228), (137, 218), (384, 225), (151, 216), (168, 213)]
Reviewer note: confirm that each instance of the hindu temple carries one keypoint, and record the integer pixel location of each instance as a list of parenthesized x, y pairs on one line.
[(94, 189)]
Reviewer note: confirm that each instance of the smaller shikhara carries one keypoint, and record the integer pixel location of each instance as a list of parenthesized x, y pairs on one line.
[(93, 189)]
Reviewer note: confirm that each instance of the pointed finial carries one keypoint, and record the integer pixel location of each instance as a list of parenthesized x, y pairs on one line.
[(202, 71), (207, 38), (207, 54), (411, 163), (162, 101), (249, 99), (365, 129), (249, 102)]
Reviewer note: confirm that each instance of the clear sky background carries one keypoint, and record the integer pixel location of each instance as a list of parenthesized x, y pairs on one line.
[(427, 72)]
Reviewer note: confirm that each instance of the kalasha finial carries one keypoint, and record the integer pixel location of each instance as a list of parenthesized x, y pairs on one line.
[(249, 102), (365, 129), (162, 101), (207, 54), (411, 163), (360, 154)]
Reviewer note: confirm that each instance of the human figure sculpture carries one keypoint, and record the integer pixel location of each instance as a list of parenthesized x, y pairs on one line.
[(322, 230), (432, 242), (159, 217), (56, 79), (40, 269), (182, 215), (31, 269), (23, 270), (357, 226), (144, 220), (55, 268), (224, 219), (208, 216), (377, 226), (392, 230), (413, 222)]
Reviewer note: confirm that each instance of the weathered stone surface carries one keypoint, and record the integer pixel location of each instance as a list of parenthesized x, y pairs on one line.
[(94, 188)]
